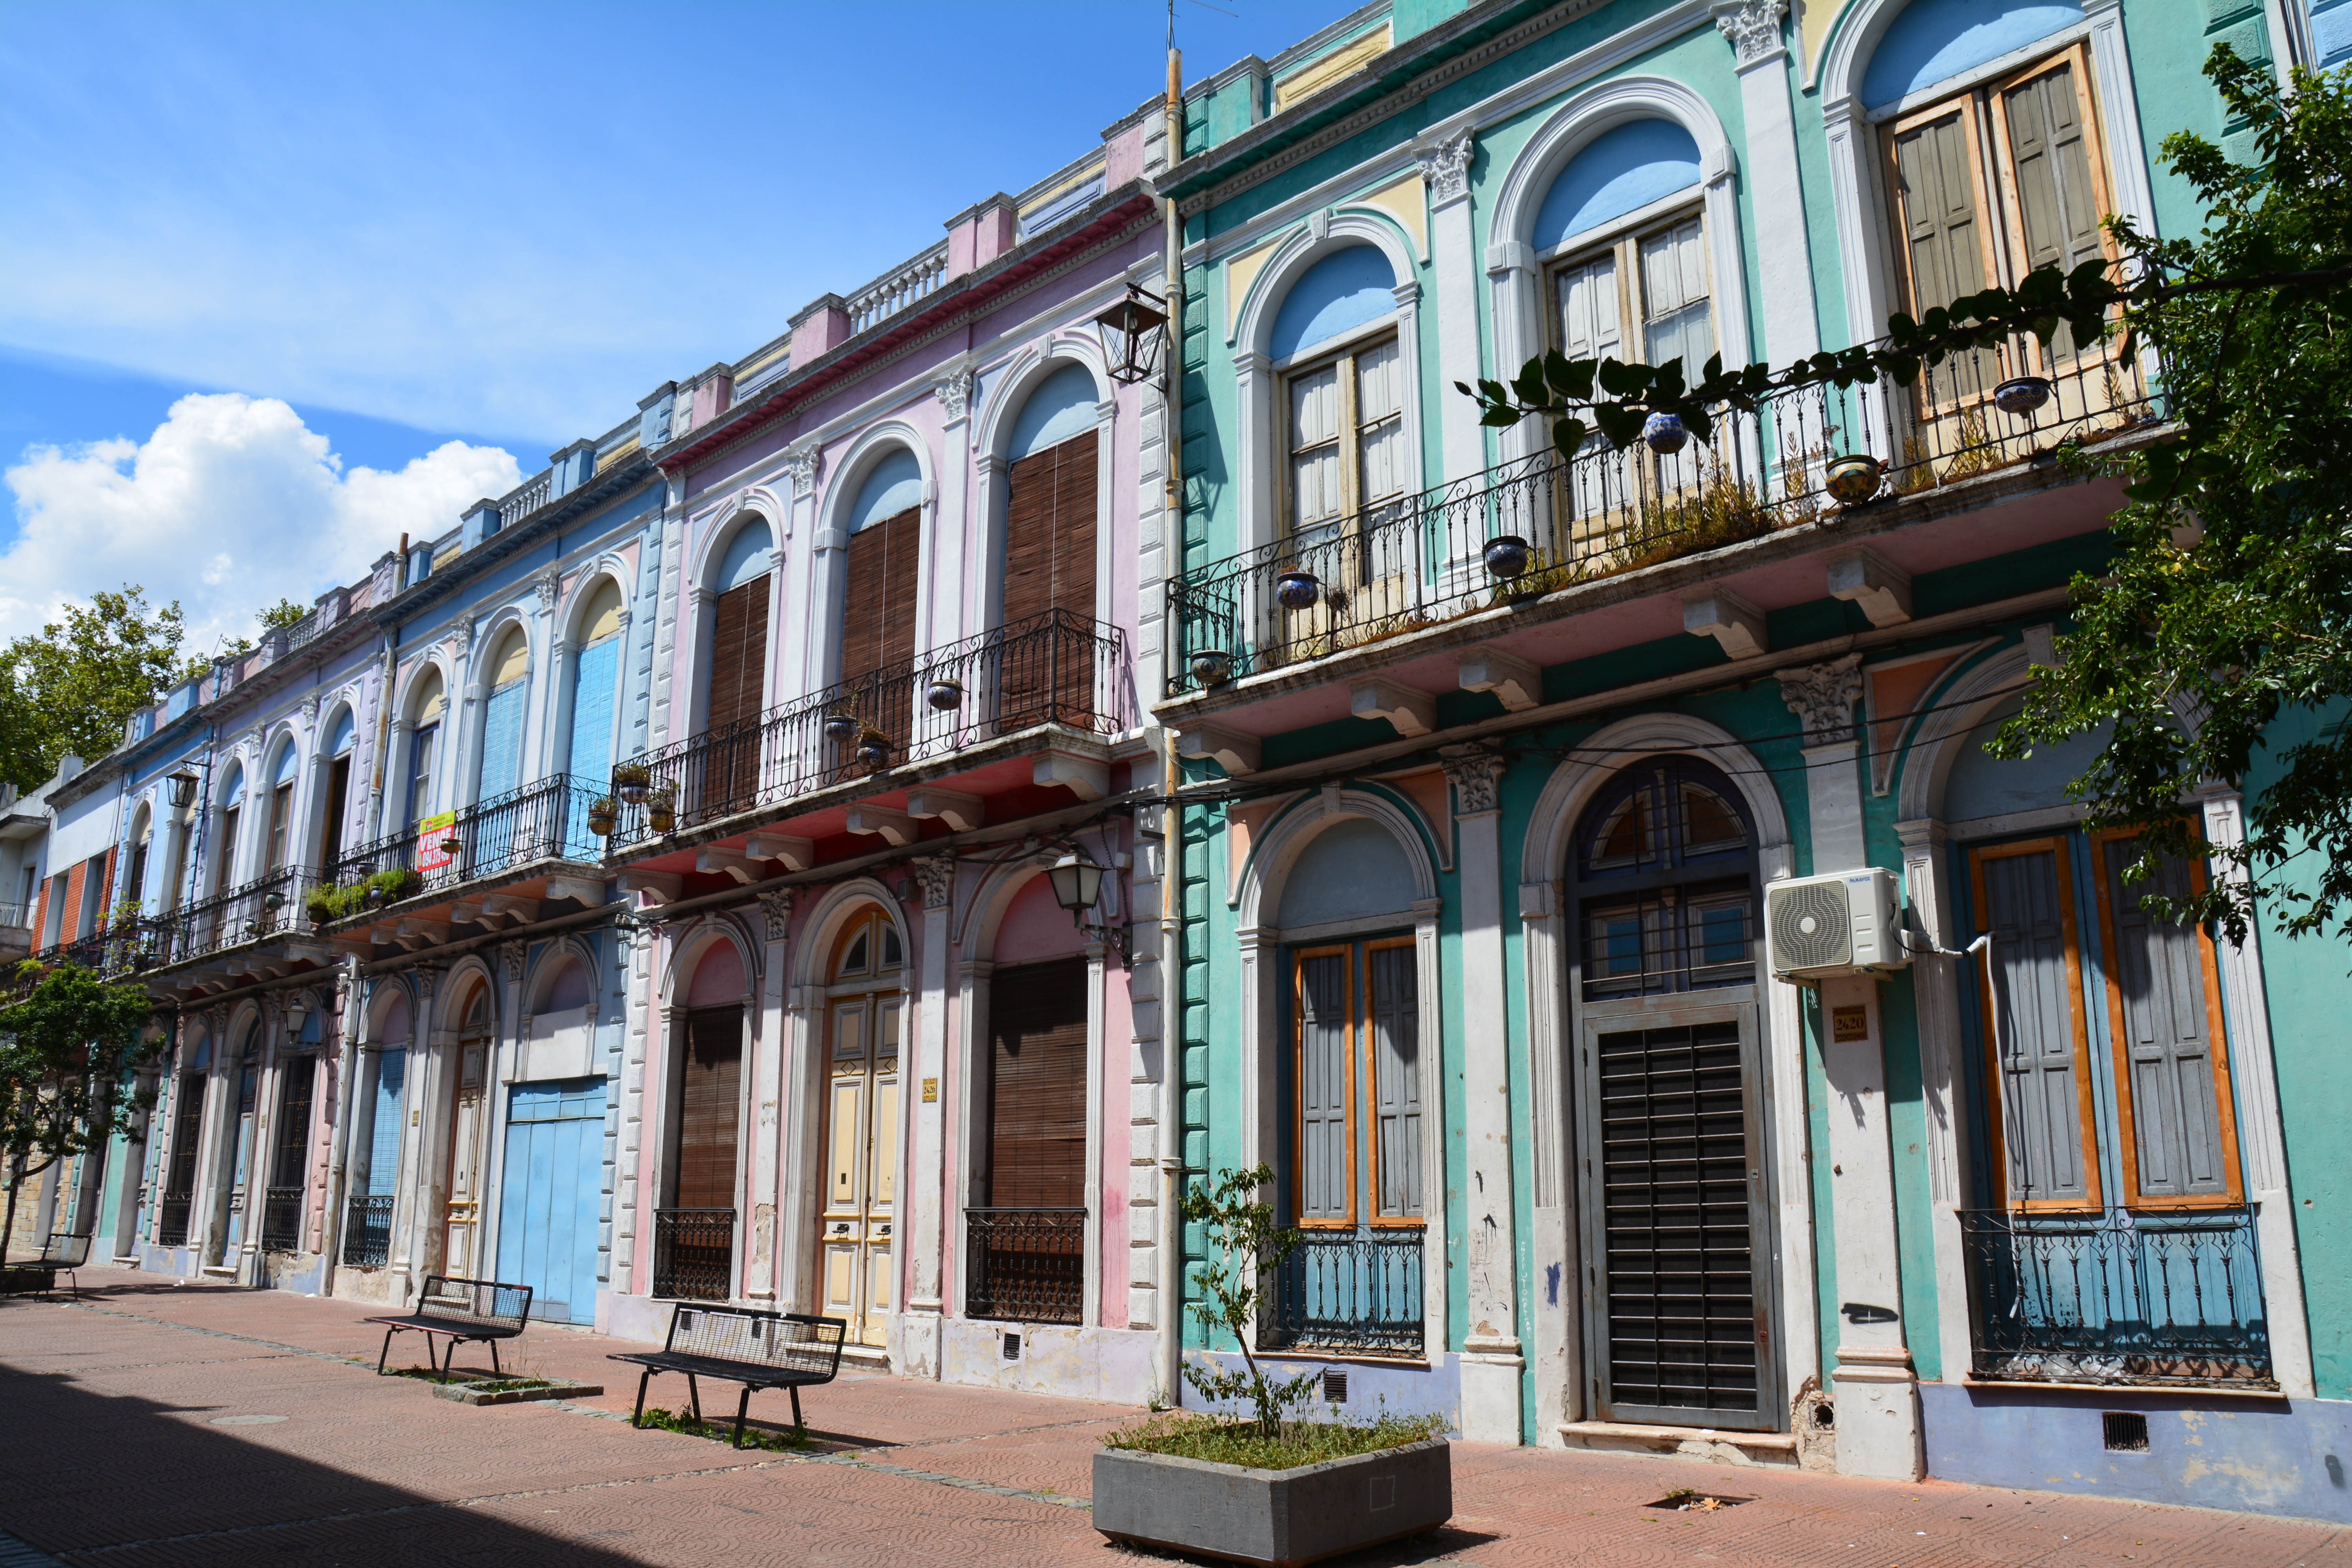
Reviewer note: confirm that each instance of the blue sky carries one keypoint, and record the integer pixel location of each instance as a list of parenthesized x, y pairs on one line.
[(498, 225)]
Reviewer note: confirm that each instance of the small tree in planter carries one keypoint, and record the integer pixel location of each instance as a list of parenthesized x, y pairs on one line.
[(1274, 1487), (71, 1048)]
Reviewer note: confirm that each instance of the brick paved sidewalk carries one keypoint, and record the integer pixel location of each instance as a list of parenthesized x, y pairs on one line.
[(160, 1424)]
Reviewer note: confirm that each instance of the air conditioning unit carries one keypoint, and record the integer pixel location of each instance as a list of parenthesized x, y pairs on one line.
[(1848, 923)]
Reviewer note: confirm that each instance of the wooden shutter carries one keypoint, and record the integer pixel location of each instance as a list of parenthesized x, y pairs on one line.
[(383, 1131), (1326, 1162), (2025, 898), (1392, 1008), (877, 604), (339, 789), (593, 677), (739, 643), (1314, 437), (1049, 531), (2179, 1136), (503, 740), (1037, 1086), (2057, 201), (1936, 193), (711, 1066)]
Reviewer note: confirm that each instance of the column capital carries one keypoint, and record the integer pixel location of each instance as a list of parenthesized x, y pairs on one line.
[(1823, 696), (1753, 29)]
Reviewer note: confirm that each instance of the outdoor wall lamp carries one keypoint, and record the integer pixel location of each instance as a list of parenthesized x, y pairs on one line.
[(297, 1013), (1135, 335), (1078, 887), (183, 789)]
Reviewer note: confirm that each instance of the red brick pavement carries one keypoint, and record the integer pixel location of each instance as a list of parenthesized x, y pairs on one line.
[(115, 1455)]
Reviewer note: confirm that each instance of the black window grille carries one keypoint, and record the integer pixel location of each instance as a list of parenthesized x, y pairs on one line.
[(694, 1254), (1027, 1266)]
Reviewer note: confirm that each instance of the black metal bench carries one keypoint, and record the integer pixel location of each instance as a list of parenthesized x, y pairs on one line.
[(735, 1344), (62, 1254), (457, 1311)]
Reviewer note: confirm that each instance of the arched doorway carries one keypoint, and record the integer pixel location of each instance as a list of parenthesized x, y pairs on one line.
[(866, 1005), (462, 1213), (1670, 1090)]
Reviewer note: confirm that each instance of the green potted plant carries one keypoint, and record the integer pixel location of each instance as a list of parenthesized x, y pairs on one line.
[(603, 814), (1268, 1486), (661, 810), (631, 781)]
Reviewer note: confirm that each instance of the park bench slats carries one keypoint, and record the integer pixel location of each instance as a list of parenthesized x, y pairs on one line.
[(483, 1311), (737, 1345)]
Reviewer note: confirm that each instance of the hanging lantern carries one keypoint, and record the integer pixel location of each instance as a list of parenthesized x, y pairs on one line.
[(1135, 335), (183, 789), (2022, 395), (1298, 590), (1664, 433), (1077, 884), (1507, 555)]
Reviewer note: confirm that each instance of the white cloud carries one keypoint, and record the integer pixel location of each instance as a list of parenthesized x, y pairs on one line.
[(232, 504)]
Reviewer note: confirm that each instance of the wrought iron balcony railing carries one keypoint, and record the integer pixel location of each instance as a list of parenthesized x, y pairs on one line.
[(367, 1232), (694, 1254), (264, 907), (1057, 667), (1026, 1266), (1349, 1294), (1420, 560), (281, 1219), (542, 821), (2118, 1298)]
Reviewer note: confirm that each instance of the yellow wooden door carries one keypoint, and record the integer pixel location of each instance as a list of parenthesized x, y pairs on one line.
[(462, 1216), (861, 1160)]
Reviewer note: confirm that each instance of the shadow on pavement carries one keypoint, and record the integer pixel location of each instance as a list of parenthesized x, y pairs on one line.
[(122, 1479)]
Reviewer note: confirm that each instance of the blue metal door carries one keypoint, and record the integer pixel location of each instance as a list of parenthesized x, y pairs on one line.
[(550, 1202)]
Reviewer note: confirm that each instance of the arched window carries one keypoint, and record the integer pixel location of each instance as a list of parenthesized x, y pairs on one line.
[(1342, 410), (866, 1001), (738, 634), (281, 805), (231, 813), (1666, 879), (502, 718), (595, 683), (428, 705), (341, 738), (134, 881), (879, 578)]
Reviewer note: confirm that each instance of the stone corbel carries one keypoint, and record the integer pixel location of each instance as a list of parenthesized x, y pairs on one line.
[(1730, 620), (963, 813), (894, 826), (1513, 681), (1235, 752), (795, 854), (1861, 575), (710, 859), (1412, 713)]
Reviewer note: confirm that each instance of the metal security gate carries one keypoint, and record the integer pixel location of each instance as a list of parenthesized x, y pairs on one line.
[(551, 1196), (1677, 1314)]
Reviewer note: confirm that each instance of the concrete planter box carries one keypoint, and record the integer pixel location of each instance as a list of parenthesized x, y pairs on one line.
[(1274, 1517), (556, 1390)]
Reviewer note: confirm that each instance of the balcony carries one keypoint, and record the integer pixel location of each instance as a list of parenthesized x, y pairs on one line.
[(694, 1254), (1420, 562), (1058, 669), (1349, 1295), (1026, 1266), (2159, 1300), (495, 838), (248, 913), (367, 1232)]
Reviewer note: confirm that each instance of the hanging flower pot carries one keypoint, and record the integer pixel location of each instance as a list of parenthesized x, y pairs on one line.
[(1298, 590), (1212, 667), (1664, 433), (452, 847), (842, 728), (945, 694), (2022, 395), (873, 751), (273, 899), (602, 814), (1507, 555), (661, 812), (1854, 478), (631, 781)]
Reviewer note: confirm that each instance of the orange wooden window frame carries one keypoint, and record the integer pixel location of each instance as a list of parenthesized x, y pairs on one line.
[(1346, 953), (2087, 1120), (1372, 1076), (2217, 1051)]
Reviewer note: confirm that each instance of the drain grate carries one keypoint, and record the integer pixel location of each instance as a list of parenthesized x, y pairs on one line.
[(1684, 1500), (2126, 1431)]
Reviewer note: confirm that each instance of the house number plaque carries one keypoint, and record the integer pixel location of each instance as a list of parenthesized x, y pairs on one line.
[(1849, 1024)]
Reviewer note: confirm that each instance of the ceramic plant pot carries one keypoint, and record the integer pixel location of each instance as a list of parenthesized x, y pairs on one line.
[(1507, 555), (1854, 478), (2022, 395), (1298, 590), (1664, 433)]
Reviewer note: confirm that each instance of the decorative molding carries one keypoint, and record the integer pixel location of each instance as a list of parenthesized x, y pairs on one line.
[(954, 393), (549, 586), (1445, 164), (310, 710), (1753, 28), (804, 463), (777, 908), (937, 874), (1823, 696), (1474, 777), (514, 953), (464, 634)]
